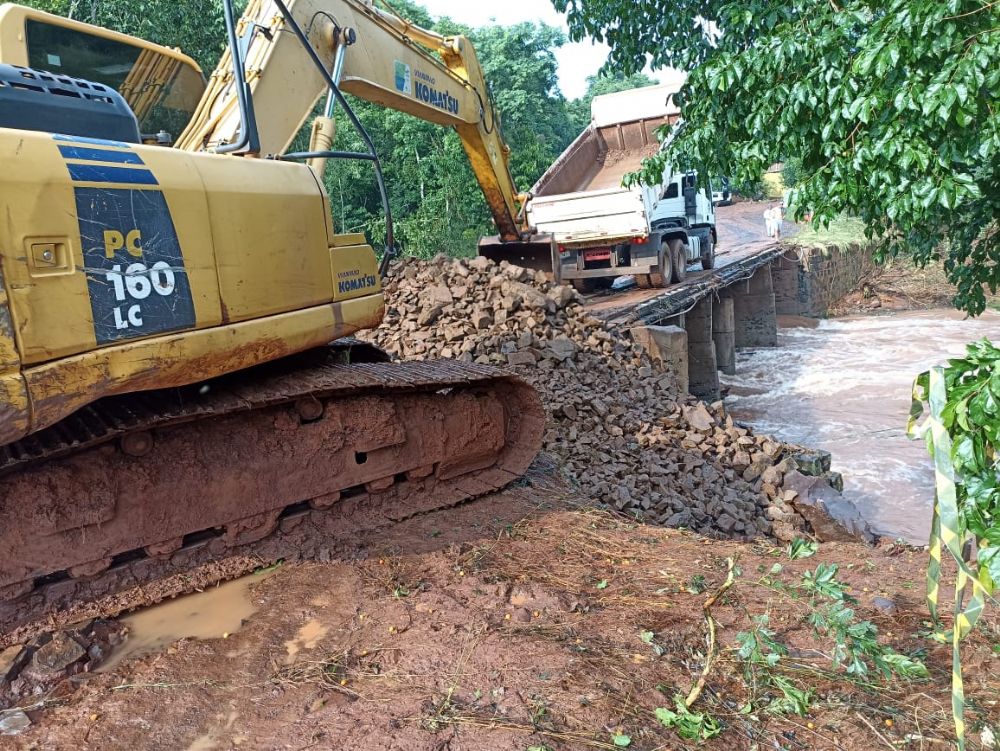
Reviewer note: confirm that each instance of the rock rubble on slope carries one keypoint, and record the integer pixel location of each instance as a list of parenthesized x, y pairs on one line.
[(623, 433)]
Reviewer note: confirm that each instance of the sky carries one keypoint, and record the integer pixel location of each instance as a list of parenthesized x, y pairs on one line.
[(576, 60)]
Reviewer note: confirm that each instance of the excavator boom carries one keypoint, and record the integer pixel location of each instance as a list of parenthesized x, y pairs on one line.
[(372, 54)]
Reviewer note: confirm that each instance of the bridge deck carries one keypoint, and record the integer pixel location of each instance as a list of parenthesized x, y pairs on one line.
[(656, 306)]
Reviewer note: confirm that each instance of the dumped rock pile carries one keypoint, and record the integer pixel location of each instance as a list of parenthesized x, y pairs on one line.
[(623, 432)]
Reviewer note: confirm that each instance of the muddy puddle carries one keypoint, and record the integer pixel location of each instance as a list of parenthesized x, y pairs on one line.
[(215, 613), (844, 386)]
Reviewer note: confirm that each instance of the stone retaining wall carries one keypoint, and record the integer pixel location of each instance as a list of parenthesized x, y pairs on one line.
[(807, 281)]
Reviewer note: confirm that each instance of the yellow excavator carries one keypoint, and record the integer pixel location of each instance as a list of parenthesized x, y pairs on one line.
[(178, 388)]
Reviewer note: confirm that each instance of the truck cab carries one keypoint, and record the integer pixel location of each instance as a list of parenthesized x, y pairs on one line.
[(685, 211)]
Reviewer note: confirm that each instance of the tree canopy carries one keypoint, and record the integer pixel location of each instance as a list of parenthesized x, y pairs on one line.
[(889, 107)]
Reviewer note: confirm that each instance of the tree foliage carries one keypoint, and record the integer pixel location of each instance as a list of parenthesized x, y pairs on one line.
[(890, 106)]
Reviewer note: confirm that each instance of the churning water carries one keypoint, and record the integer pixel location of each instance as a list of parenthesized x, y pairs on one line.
[(844, 386)]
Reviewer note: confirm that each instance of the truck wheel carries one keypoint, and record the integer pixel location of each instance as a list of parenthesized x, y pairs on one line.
[(679, 251), (661, 278), (708, 255)]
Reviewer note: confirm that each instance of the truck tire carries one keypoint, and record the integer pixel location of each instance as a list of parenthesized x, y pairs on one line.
[(708, 254), (678, 252), (663, 277), (592, 284)]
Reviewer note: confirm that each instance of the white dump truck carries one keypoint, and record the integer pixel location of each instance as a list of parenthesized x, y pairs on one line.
[(601, 230)]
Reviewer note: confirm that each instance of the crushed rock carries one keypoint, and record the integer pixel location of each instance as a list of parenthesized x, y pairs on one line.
[(625, 435), (40, 667)]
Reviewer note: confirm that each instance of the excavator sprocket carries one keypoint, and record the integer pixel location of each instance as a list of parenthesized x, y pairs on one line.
[(280, 461)]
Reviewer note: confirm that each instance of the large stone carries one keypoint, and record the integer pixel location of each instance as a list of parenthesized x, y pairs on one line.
[(563, 348), (12, 661), (13, 722), (835, 480), (60, 658), (530, 297), (884, 605), (699, 418), (439, 295), (680, 519), (480, 263), (523, 357), (832, 517), (562, 295), (482, 319), (430, 314), (772, 476), (726, 523), (784, 531), (812, 462)]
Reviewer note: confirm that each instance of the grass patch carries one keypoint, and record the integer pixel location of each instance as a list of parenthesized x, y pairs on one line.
[(842, 231)]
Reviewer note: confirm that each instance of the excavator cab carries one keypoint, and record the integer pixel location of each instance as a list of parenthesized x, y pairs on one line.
[(80, 64), (126, 266)]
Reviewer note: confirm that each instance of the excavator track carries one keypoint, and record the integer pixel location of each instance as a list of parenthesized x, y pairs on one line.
[(142, 497)]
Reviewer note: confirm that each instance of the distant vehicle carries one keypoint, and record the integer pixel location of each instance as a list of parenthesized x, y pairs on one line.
[(722, 193), (602, 230)]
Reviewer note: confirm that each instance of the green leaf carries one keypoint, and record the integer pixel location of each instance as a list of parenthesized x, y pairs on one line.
[(602, 584), (802, 549), (904, 666), (689, 725), (621, 741)]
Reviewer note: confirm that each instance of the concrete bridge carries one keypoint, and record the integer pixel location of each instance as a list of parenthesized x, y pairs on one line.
[(697, 326)]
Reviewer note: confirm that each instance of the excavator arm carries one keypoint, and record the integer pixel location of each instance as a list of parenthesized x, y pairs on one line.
[(370, 53)]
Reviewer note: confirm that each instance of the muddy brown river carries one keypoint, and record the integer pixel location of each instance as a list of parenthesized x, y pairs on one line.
[(844, 386)]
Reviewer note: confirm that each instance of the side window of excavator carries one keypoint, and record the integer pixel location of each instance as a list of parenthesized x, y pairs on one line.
[(162, 91)]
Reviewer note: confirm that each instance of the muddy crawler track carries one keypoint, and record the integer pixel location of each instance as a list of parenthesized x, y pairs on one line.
[(245, 475)]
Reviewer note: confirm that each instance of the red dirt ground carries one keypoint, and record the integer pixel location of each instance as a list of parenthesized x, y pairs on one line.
[(515, 622)]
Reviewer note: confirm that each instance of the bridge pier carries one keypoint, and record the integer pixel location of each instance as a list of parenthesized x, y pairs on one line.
[(785, 276), (724, 334), (703, 369), (756, 322)]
